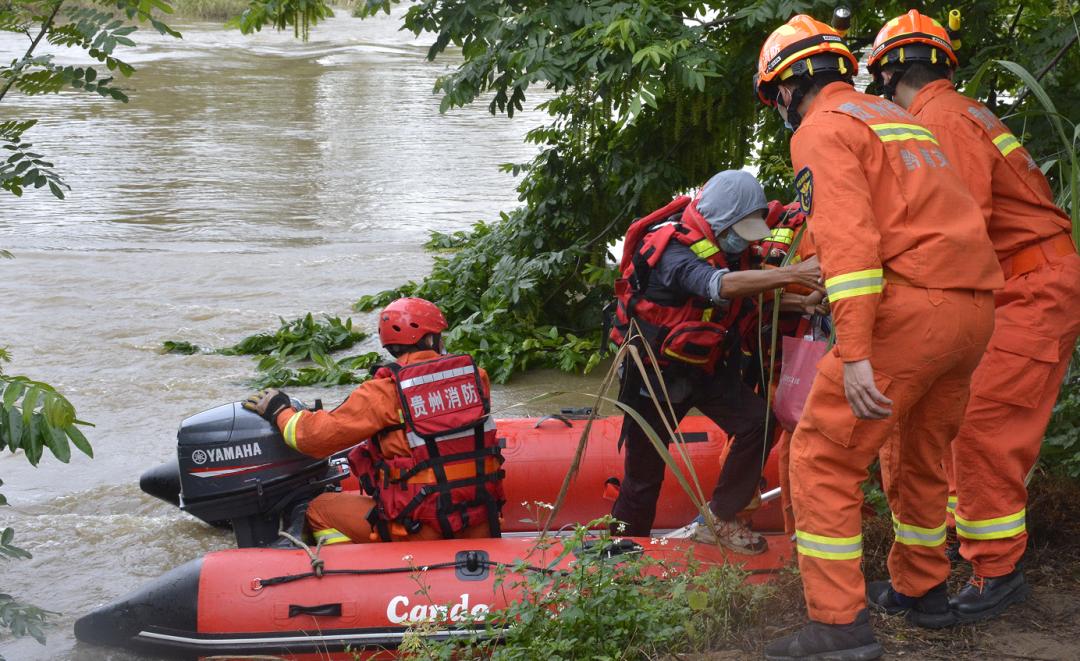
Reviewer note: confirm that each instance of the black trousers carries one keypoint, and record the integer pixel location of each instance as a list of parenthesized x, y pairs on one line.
[(736, 409)]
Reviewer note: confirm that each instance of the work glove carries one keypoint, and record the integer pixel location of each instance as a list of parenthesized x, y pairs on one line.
[(268, 403)]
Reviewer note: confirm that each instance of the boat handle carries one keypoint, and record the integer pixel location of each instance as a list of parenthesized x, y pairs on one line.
[(329, 610), (554, 416)]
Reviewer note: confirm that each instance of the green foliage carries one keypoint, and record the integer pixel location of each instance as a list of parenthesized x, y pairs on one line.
[(33, 417), (1061, 446), (645, 99), (20, 167), (301, 15), (7, 549), (300, 339), (96, 29), (604, 605), (21, 619), (181, 347), (325, 371), (298, 353)]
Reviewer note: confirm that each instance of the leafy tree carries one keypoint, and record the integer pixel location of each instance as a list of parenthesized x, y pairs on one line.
[(33, 416), (644, 98)]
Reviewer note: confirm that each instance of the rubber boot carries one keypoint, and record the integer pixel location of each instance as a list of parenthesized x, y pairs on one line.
[(829, 642), (930, 611), (292, 522), (984, 598)]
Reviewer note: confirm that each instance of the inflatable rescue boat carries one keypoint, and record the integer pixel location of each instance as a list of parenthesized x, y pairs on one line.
[(234, 469), (270, 601), (234, 466)]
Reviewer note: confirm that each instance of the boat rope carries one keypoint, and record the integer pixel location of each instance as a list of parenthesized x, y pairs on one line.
[(318, 567), (260, 583)]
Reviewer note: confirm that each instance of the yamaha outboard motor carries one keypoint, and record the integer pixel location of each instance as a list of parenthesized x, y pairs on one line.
[(234, 466)]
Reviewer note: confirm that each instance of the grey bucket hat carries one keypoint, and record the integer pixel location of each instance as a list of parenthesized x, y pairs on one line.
[(728, 198)]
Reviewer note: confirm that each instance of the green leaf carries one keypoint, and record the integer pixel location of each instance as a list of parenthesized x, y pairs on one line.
[(57, 441), (78, 440), (698, 601)]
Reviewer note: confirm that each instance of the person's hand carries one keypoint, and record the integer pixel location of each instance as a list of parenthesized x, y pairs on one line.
[(268, 403), (865, 399), (806, 273), (815, 303)]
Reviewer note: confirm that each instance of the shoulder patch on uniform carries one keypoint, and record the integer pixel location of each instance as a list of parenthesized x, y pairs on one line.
[(804, 190)]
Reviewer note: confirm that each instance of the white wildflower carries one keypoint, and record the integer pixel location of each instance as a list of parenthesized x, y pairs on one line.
[(406, 558)]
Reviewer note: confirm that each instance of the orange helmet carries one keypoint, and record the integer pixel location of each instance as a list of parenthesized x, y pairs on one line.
[(801, 47), (408, 320), (912, 37)]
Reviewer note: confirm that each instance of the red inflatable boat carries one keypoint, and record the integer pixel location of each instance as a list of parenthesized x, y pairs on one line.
[(233, 467), (267, 601), (227, 454)]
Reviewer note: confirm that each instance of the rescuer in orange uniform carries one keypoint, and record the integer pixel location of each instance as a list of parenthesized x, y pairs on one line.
[(397, 454), (1037, 316), (912, 304)]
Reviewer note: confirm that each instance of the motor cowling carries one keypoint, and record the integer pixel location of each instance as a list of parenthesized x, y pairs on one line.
[(235, 466)]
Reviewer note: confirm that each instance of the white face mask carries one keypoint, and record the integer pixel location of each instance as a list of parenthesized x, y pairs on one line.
[(733, 244)]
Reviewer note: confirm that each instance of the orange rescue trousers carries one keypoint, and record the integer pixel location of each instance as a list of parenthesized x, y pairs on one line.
[(1037, 321), (342, 517), (926, 343)]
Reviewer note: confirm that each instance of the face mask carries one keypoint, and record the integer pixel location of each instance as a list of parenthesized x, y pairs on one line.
[(733, 244)]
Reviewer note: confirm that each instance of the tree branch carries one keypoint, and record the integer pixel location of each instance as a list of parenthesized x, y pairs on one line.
[(34, 44), (1045, 70)]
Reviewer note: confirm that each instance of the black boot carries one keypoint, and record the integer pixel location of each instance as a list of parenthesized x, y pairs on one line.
[(983, 597), (829, 642), (930, 611), (292, 522)]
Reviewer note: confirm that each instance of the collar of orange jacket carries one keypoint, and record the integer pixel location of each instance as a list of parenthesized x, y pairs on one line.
[(417, 357), (830, 90), (928, 92)]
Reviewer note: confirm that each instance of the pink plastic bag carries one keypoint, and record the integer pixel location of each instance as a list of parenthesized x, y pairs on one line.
[(801, 356)]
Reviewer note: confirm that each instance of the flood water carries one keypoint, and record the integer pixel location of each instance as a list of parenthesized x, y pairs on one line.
[(248, 179)]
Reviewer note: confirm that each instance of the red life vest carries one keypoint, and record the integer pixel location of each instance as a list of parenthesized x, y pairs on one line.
[(784, 221), (679, 328), (453, 478)]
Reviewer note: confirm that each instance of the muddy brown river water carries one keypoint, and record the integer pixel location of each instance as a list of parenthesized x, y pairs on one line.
[(249, 178)]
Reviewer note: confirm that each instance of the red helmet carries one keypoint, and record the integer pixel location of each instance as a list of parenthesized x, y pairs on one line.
[(407, 320)]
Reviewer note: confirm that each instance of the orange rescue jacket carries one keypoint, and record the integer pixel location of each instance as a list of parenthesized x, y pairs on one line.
[(882, 196), (1011, 190), (374, 406)]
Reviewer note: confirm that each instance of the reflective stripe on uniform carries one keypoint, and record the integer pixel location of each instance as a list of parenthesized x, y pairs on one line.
[(437, 376), (999, 528), (782, 235), (828, 548), (917, 535), (415, 440), (1006, 143), (891, 132), (857, 283), (704, 248), (330, 536), (951, 506), (290, 429)]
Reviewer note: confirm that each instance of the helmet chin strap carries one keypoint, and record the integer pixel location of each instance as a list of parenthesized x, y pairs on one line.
[(794, 117), (888, 90)]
